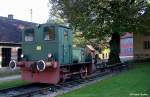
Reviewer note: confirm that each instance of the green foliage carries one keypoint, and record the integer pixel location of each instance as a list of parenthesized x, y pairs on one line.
[(57, 20), (144, 21), (135, 81), (78, 40), (98, 19), (12, 83)]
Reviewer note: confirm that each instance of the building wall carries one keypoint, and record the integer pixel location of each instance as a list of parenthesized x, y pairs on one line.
[(140, 52), (0, 57), (14, 54), (104, 54), (135, 46), (126, 46)]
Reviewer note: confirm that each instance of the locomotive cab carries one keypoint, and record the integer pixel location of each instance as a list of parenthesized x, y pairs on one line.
[(47, 40)]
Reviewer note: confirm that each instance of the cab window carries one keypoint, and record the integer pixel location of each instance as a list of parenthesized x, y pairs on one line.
[(66, 35), (49, 33), (29, 35)]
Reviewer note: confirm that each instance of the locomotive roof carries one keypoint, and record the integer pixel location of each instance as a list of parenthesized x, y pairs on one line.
[(10, 29), (51, 24)]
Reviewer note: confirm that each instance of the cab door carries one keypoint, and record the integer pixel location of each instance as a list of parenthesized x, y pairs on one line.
[(66, 47)]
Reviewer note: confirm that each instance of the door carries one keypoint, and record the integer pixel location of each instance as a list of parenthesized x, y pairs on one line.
[(6, 56), (19, 54), (66, 47)]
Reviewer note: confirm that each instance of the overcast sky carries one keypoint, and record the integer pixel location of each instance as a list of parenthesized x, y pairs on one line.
[(21, 9)]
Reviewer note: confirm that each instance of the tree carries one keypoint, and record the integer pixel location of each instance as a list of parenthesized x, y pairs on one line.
[(144, 20), (80, 41), (103, 18)]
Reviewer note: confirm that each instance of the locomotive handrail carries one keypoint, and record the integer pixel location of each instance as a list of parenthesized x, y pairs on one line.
[(82, 63)]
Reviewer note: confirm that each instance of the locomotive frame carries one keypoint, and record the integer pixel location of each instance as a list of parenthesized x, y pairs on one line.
[(48, 55)]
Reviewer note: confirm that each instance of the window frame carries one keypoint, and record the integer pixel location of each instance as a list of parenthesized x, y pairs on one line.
[(46, 33), (66, 35), (32, 32), (146, 44)]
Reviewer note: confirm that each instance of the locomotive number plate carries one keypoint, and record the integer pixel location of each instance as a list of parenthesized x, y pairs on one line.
[(39, 48)]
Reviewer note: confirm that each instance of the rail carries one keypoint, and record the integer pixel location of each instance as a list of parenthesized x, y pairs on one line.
[(45, 89)]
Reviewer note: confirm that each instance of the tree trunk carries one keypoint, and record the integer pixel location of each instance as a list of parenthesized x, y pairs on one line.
[(114, 49)]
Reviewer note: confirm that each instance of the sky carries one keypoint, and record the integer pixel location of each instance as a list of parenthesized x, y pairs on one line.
[(21, 9)]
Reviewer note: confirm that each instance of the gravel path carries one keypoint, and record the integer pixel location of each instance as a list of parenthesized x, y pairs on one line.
[(63, 91), (10, 78)]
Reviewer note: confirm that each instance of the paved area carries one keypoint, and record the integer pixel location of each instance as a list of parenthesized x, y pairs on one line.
[(10, 78)]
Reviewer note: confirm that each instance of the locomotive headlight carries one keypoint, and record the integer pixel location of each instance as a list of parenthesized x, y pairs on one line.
[(22, 55), (49, 55)]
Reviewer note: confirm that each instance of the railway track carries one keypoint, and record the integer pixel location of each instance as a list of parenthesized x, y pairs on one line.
[(45, 90), (22, 91)]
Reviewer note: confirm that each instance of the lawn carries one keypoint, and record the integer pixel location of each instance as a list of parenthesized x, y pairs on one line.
[(13, 83), (7, 72), (133, 83)]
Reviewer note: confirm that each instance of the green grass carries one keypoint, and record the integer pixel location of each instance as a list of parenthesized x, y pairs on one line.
[(13, 83), (136, 80), (8, 72)]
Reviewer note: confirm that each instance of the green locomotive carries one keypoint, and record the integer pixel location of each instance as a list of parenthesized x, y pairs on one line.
[(48, 55)]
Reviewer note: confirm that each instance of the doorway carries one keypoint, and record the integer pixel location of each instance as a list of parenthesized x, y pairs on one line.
[(19, 54), (6, 56)]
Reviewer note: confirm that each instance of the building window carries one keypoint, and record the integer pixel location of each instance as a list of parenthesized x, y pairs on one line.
[(147, 34), (131, 50), (106, 55), (146, 44), (103, 56)]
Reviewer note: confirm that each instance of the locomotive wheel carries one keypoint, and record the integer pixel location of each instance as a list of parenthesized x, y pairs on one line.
[(62, 77), (62, 80), (83, 72)]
